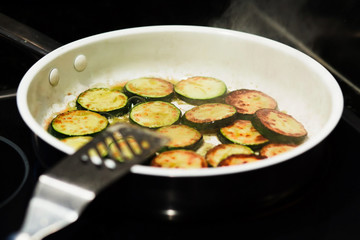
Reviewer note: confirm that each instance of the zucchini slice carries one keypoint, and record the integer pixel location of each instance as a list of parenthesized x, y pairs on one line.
[(218, 153), (238, 159), (150, 89), (77, 142), (274, 149), (242, 132), (80, 141), (179, 158), (210, 116), (247, 102), (200, 90), (124, 147), (103, 101), (181, 136), (278, 126), (77, 123), (155, 114)]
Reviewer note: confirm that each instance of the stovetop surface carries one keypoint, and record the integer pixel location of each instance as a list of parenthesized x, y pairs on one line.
[(328, 209)]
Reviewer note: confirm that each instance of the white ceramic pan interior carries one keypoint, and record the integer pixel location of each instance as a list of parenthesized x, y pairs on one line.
[(302, 87)]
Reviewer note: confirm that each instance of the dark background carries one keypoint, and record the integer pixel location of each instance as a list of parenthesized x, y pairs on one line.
[(330, 209)]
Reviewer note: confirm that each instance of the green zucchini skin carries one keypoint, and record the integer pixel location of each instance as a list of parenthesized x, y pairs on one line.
[(242, 132), (179, 158), (199, 90), (155, 114), (279, 127), (150, 89), (247, 102), (210, 116), (77, 123), (107, 102), (181, 137)]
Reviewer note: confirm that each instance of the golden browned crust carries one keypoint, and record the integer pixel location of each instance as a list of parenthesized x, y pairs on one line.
[(209, 112), (236, 133), (179, 159), (218, 153), (284, 124), (274, 149), (238, 159), (246, 101)]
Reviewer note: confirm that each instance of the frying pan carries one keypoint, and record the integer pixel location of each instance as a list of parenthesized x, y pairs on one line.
[(302, 87)]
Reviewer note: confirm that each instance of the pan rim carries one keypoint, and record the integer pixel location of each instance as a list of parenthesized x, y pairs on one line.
[(331, 84)]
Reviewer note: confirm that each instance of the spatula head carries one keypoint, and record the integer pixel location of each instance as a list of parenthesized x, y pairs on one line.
[(108, 156)]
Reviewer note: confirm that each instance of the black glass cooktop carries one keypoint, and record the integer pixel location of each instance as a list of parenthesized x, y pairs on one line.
[(328, 209)]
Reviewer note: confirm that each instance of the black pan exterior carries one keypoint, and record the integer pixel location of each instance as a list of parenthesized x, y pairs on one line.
[(203, 198)]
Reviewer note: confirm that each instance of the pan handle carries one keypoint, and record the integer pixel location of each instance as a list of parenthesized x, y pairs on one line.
[(26, 36)]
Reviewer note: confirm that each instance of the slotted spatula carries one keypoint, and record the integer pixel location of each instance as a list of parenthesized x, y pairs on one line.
[(63, 192)]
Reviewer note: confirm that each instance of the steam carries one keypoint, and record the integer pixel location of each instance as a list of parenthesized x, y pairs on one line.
[(285, 21), (274, 19)]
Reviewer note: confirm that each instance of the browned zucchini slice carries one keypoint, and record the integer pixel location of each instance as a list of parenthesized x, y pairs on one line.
[(104, 101), (124, 147), (77, 123), (210, 116), (247, 101), (155, 114), (181, 136), (179, 158), (242, 132), (238, 159), (77, 142), (151, 89), (218, 153), (278, 126), (273, 149)]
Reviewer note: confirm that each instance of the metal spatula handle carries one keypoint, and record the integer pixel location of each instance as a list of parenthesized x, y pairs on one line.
[(64, 191)]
